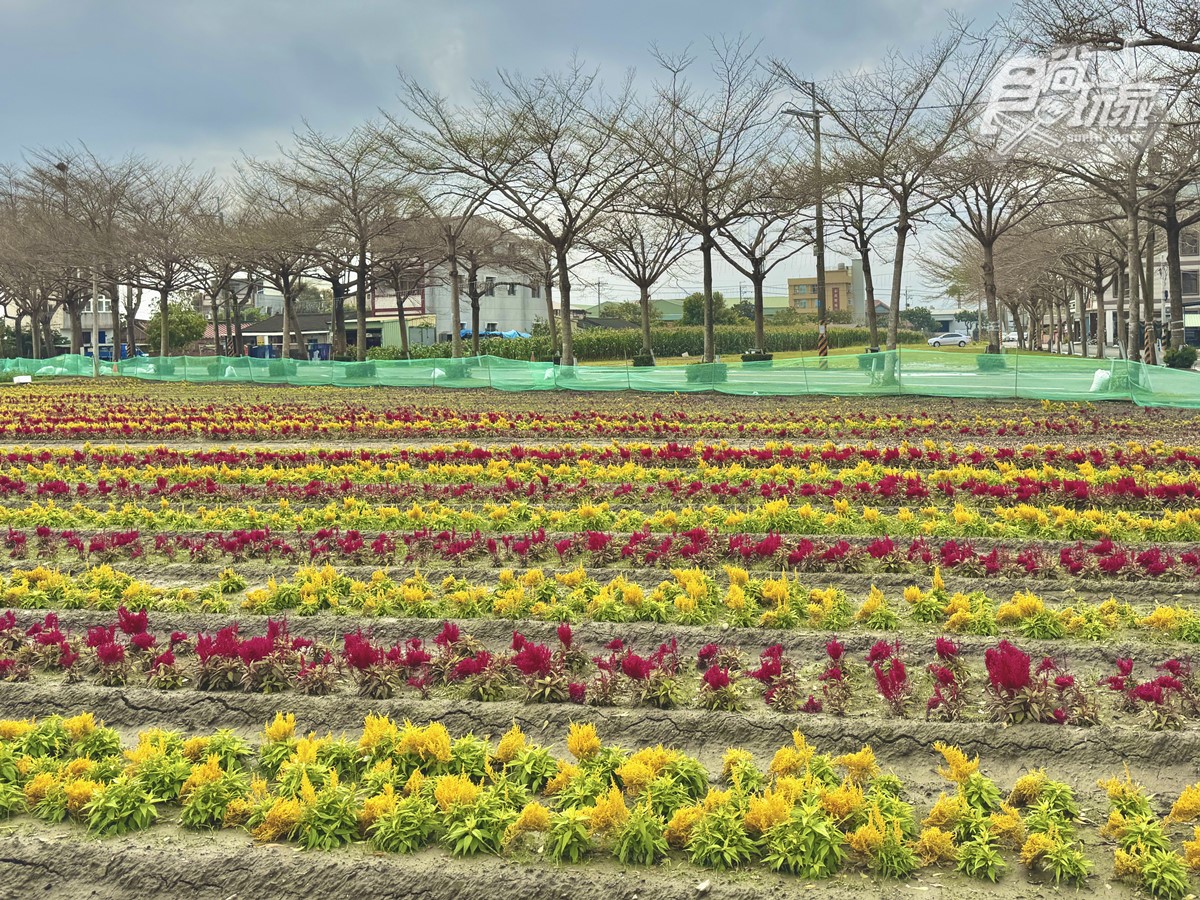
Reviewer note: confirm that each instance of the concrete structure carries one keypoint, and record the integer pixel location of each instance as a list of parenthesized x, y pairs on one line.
[(845, 289)]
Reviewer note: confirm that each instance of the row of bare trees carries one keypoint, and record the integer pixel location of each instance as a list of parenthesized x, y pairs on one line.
[(537, 176)]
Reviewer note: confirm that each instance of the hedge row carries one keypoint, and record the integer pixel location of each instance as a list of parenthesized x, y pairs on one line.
[(601, 344)]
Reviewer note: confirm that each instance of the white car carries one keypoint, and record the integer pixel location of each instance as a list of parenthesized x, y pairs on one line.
[(949, 338)]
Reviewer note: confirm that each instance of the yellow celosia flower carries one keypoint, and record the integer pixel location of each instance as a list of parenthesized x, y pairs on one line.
[(582, 741), (868, 837), (455, 790), (1126, 865), (1006, 825), (1028, 788), (533, 817), (1191, 850), (510, 744), (1036, 846), (11, 729), (958, 767), (414, 783), (280, 821), (767, 809), (860, 766), (205, 773), (734, 757), (679, 829), (566, 771), (38, 787), (935, 846), (609, 813), (195, 749), (842, 802), (80, 725), (374, 807), (946, 811), (281, 728), (1187, 807)]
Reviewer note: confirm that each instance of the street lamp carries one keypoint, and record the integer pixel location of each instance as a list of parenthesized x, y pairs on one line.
[(815, 117)]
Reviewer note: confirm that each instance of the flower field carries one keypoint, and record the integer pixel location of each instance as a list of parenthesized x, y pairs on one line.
[(606, 646)]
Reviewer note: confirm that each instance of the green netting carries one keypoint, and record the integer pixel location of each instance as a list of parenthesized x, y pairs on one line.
[(923, 373)]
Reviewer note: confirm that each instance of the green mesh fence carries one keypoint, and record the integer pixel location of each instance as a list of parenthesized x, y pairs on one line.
[(920, 373)]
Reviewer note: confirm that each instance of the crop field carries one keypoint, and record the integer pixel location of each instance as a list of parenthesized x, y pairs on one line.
[(285, 642)]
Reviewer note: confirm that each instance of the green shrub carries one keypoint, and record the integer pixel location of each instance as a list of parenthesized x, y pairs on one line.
[(808, 844), (406, 828), (568, 838), (979, 858), (1180, 357), (719, 840), (1164, 876), (641, 840), (120, 807), (12, 800), (990, 362), (205, 806)]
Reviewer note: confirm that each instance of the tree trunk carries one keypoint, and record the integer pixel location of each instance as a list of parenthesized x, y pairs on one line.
[(1148, 297), (403, 319), (239, 340), (285, 338), (339, 314), (1174, 273), (706, 249), (1101, 313), (564, 293), (644, 302), (76, 319), (114, 292), (164, 344), (455, 295), (869, 285), (474, 324), (760, 332), (1133, 262), (1122, 323), (551, 318), (897, 274), (989, 292), (360, 298)]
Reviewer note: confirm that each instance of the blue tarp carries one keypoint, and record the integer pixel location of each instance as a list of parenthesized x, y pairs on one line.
[(466, 333)]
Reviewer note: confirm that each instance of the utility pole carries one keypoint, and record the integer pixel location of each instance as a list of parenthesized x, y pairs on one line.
[(96, 326), (815, 117)]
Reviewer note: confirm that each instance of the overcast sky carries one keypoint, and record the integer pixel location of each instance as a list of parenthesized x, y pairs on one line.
[(205, 80)]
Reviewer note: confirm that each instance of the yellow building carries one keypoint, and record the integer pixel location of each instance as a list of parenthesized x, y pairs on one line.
[(839, 292)]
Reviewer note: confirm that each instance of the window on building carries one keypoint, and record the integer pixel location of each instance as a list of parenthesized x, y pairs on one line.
[(512, 289), (799, 289), (803, 304), (535, 291), (1191, 283), (490, 286), (1189, 243)]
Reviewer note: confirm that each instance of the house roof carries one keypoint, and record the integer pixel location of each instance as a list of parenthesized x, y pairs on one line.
[(271, 325)]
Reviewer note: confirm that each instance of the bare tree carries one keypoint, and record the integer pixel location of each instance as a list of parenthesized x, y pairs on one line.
[(548, 152), (359, 186), (643, 249), (900, 121), (708, 150), (164, 213)]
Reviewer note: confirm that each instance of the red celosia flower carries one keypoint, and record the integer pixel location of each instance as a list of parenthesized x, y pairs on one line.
[(1060, 716), (533, 660), (1125, 667), (178, 637), (835, 649), (564, 635), (707, 654), (163, 661), (518, 640), (1063, 682), (357, 650), (98, 635), (811, 705), (132, 622), (144, 640), (1046, 665), (882, 650), (615, 644), (255, 649), (636, 667), (577, 691), (110, 654), (66, 656), (891, 678), (833, 673), (941, 675), (716, 678), (472, 665), (1008, 668), (448, 635), (946, 648)]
